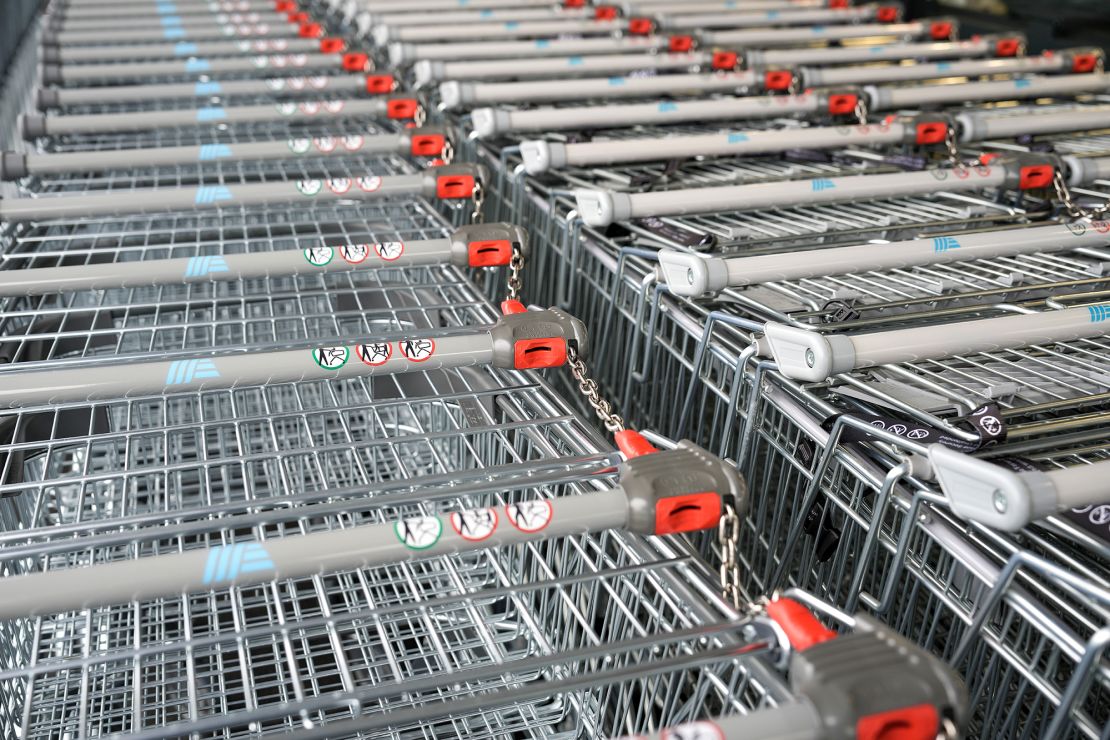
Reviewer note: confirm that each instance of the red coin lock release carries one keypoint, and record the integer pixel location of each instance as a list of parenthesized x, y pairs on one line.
[(399, 108), (356, 62), (529, 354), (692, 512), (802, 629), (574, 3), (887, 13), (905, 723), (641, 26), (1036, 176), (298, 17), (285, 6), (842, 104), (310, 31), (453, 187), (940, 30), (679, 44), (725, 60), (838, 3), (779, 79), (332, 45), (931, 132), (489, 253), (1082, 63), (428, 145), (379, 84), (1008, 47), (605, 12)]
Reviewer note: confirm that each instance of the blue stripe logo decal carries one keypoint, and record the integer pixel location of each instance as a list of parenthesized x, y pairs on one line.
[(227, 562), (944, 243), (197, 65), (737, 138), (944, 66), (166, 8), (575, 61), (616, 81), (1100, 312), (1019, 84), (209, 152), (211, 194), (184, 48), (206, 88), (211, 114), (668, 107), (543, 43), (205, 265), (186, 371), (171, 20), (174, 33), (510, 25), (821, 184)]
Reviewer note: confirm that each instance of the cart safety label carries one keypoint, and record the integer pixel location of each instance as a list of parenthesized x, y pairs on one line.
[(353, 143), (986, 421), (530, 516), (389, 251), (260, 62), (354, 253), (693, 731), (228, 562), (207, 194), (821, 184), (474, 525), (310, 187), (1100, 312), (309, 108), (369, 184), (945, 243), (330, 358), (275, 83), (318, 82), (286, 109), (334, 106), (1094, 519), (205, 265), (419, 532), (300, 146), (319, 256), (326, 144), (1079, 228), (186, 371), (374, 353), (339, 185), (417, 350)]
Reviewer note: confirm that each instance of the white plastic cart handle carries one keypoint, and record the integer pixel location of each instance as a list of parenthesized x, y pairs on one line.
[(383, 35), (403, 54), (872, 75), (695, 275), (742, 17), (1057, 86), (999, 497), (894, 52), (809, 356), (767, 37), (428, 71), (983, 125)]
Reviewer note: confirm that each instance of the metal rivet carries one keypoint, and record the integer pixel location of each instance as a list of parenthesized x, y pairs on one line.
[(811, 359), (999, 502)]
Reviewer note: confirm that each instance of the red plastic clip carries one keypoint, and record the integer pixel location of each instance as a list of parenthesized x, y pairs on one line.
[(1035, 176), (428, 145), (633, 444), (453, 187), (1007, 47), (490, 253), (779, 79), (987, 158), (690, 513), (888, 13), (401, 108), (332, 45), (801, 627), (529, 354), (680, 44), (725, 60), (1082, 63), (310, 31), (356, 61), (298, 17), (378, 84), (641, 26), (285, 6), (510, 307), (838, 3), (605, 12), (931, 132), (920, 722), (843, 104), (940, 30), (574, 3)]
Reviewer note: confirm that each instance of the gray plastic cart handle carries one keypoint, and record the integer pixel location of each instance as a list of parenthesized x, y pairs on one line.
[(78, 74), (878, 53), (494, 121), (174, 33), (179, 50), (808, 356), (275, 87), (764, 37), (403, 54), (376, 7), (35, 125), (510, 30), (464, 94), (1058, 86), (631, 7), (604, 207), (741, 17), (399, 20), (298, 556), (813, 76), (693, 275), (541, 156), (428, 71), (982, 125), (155, 22), (81, 11), (14, 165), (999, 497)]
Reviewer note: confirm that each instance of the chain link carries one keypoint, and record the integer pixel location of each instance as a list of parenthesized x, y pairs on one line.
[(1074, 209), (952, 146), (478, 196), (419, 116), (448, 153), (516, 264), (861, 110), (588, 387), (728, 539)]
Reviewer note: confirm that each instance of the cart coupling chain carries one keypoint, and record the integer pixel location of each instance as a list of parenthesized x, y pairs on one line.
[(528, 340)]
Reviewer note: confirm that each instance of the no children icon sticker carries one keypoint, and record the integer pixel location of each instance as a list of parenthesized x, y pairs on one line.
[(530, 516), (419, 532), (474, 525), (331, 358)]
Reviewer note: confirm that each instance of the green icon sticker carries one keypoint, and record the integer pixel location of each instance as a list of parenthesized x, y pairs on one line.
[(331, 358), (418, 532)]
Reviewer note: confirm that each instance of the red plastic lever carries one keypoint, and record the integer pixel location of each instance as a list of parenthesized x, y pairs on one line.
[(332, 45), (838, 3), (725, 60), (1081, 63), (1008, 47), (453, 187), (801, 627), (940, 30), (510, 307), (356, 62), (529, 354), (679, 44), (988, 157), (284, 6), (605, 12), (1035, 176), (692, 512), (641, 26), (379, 84), (574, 3), (842, 104), (400, 108), (633, 444), (310, 31), (931, 132), (919, 722), (779, 79), (298, 17), (888, 13), (490, 253)]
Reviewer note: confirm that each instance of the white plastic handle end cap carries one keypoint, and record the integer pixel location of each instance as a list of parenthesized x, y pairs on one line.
[(488, 121), (602, 207), (452, 94), (692, 275), (542, 156), (990, 494), (805, 355), (382, 35)]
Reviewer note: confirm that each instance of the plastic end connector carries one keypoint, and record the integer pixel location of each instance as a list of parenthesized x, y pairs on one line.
[(46, 98), (33, 125), (990, 494), (807, 356), (13, 166), (602, 207), (382, 35), (542, 156), (692, 275), (454, 94), (51, 74), (427, 71), (399, 54), (488, 122)]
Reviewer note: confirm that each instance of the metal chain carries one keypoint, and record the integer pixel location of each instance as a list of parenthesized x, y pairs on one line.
[(448, 153), (478, 196), (516, 264), (861, 110), (1074, 209), (952, 146), (728, 538), (588, 387)]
